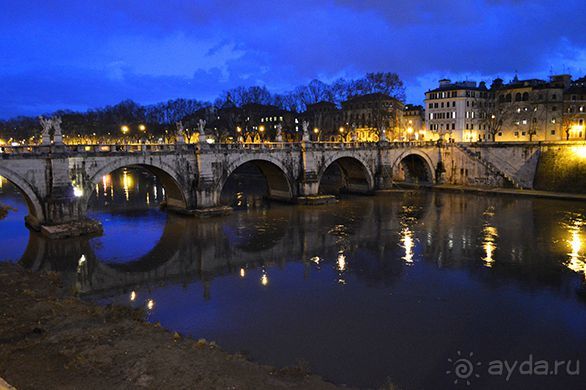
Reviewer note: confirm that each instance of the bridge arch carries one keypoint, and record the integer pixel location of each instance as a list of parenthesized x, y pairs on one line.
[(356, 175), (178, 196), (414, 166), (33, 202), (279, 182)]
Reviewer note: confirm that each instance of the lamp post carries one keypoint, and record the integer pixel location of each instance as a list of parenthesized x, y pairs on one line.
[(261, 129), (316, 132)]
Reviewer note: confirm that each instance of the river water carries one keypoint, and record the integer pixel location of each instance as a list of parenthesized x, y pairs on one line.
[(393, 288)]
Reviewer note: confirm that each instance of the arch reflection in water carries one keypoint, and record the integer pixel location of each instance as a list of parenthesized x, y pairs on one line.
[(13, 210)]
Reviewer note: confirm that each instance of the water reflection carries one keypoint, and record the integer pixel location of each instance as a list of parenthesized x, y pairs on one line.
[(407, 244), (264, 279), (402, 272), (124, 189), (489, 237), (576, 260)]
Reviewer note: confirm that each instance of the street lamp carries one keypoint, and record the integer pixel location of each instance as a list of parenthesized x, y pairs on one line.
[(142, 127), (124, 129)]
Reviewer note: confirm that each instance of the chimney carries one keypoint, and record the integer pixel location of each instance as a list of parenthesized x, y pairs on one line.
[(444, 82)]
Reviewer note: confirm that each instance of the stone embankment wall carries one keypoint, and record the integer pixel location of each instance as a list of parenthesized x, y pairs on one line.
[(462, 169), (519, 161), (562, 168)]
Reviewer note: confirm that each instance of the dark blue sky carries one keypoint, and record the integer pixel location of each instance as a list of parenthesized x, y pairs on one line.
[(82, 54)]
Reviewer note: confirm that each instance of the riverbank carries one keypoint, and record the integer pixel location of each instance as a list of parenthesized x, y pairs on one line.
[(491, 190), (49, 339)]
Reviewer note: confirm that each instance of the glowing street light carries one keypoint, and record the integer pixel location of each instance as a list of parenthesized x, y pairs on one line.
[(124, 129), (142, 127), (341, 129)]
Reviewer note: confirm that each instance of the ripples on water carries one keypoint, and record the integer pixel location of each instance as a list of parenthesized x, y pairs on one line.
[(368, 291)]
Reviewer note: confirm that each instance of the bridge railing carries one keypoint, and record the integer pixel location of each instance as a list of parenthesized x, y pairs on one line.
[(162, 148), (253, 146), (18, 150), (130, 148)]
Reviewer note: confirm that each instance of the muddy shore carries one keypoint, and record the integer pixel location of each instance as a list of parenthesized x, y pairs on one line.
[(49, 339)]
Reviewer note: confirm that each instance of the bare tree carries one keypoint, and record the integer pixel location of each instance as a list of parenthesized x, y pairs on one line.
[(381, 82), (493, 114), (570, 116)]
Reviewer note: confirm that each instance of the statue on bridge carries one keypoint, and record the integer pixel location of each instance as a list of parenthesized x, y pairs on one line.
[(279, 137), (46, 124), (305, 126), (383, 134), (58, 134), (201, 125), (179, 135)]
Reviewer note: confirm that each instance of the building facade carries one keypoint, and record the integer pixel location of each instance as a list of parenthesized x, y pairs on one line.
[(453, 111), (520, 110), (413, 126)]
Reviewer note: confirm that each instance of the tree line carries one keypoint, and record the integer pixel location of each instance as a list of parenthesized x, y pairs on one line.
[(161, 117)]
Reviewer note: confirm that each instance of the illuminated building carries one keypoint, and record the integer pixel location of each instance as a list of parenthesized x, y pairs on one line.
[(520, 110), (414, 124), (452, 111)]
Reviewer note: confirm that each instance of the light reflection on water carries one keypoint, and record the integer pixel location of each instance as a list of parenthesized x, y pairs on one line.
[(489, 237), (372, 288), (576, 261)]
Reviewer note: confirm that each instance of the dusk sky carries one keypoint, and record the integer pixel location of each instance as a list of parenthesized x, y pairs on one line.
[(82, 54)]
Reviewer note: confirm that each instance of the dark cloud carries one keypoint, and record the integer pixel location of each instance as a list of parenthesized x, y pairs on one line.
[(82, 54)]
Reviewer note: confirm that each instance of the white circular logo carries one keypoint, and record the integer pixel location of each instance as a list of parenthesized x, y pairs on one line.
[(463, 368)]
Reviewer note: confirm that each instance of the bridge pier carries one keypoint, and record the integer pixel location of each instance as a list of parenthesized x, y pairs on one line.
[(208, 201), (64, 217), (309, 191), (64, 207), (384, 177)]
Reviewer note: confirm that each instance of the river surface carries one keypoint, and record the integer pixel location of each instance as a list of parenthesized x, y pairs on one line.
[(393, 288)]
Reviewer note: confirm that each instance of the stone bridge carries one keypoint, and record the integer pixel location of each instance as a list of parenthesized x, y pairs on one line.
[(57, 180)]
